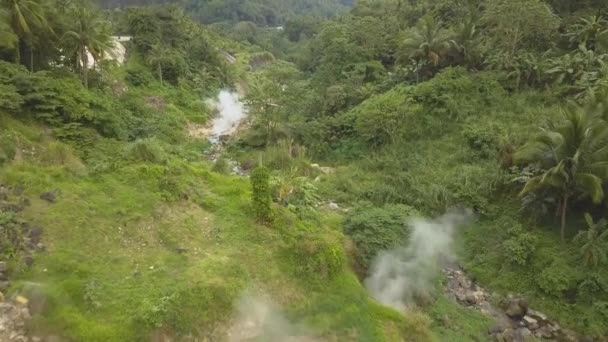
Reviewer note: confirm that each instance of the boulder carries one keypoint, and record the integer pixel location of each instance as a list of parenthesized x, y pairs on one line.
[(3, 266), (508, 335), (523, 334), (471, 297), (530, 322), (517, 308), (333, 206), (18, 190), (28, 260), (24, 202), (34, 234), (539, 316), (496, 329), (4, 285), (49, 196)]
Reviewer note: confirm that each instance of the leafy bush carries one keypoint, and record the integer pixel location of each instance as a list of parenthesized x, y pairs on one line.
[(520, 247), (146, 150), (11, 236), (556, 279), (7, 148), (455, 94), (484, 140), (11, 100), (374, 229), (221, 166), (319, 255), (57, 153), (138, 75), (261, 195)]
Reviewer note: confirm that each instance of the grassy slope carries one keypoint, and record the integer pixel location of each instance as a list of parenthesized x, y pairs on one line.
[(429, 172), (116, 270)]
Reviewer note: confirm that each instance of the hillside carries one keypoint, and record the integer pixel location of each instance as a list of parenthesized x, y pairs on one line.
[(260, 12), (396, 171)]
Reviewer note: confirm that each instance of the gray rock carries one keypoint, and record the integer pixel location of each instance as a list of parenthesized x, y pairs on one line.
[(49, 196), (24, 202), (3, 266), (28, 260), (508, 335), (3, 276), (34, 234), (471, 297), (496, 329), (523, 334), (539, 316), (4, 285), (333, 206), (517, 308), (18, 190), (530, 322)]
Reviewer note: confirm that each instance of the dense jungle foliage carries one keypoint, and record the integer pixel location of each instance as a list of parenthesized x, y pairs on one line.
[(114, 220)]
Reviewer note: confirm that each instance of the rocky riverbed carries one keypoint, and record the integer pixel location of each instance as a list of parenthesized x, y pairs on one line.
[(515, 320)]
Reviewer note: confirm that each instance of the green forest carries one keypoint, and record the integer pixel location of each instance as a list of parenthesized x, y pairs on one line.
[(304, 170)]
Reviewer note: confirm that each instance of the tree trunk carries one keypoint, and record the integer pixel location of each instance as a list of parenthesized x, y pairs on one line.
[(31, 59), (160, 73), (85, 68), (563, 210), (18, 53)]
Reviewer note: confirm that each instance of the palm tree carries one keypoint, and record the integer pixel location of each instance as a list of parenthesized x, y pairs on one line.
[(428, 41), (594, 241), (89, 35), (8, 39), (158, 55), (574, 155), (25, 16), (466, 42)]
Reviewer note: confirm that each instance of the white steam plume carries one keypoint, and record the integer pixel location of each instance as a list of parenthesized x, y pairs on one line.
[(257, 319), (230, 112), (398, 276)]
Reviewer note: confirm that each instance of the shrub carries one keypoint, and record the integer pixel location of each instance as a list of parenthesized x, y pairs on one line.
[(261, 196), (319, 255), (221, 166), (138, 75), (10, 101), (57, 153), (556, 279), (146, 150), (520, 247), (11, 235), (484, 140), (374, 229), (7, 148)]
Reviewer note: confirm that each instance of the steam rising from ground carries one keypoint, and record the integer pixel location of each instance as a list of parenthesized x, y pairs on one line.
[(399, 276), (230, 112), (257, 319)]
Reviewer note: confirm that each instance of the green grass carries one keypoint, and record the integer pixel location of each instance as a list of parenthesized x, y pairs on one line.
[(452, 322), (126, 260), (484, 257)]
